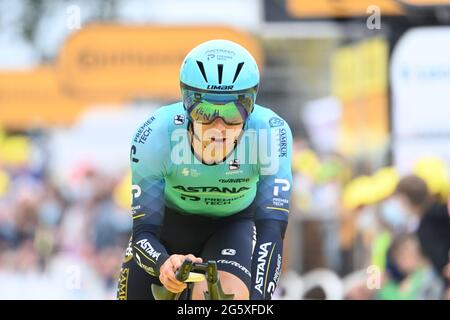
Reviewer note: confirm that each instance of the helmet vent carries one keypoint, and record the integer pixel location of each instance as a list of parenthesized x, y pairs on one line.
[(220, 69), (202, 70), (238, 70)]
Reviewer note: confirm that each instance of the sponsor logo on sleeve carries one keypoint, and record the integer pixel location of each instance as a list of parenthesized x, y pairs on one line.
[(282, 143), (273, 284), (132, 154), (178, 119), (148, 269), (275, 122), (228, 252), (145, 244), (129, 252), (135, 209), (235, 264), (136, 191), (284, 183), (262, 260), (123, 283)]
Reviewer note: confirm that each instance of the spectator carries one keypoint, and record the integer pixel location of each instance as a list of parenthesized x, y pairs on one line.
[(410, 276), (432, 221)]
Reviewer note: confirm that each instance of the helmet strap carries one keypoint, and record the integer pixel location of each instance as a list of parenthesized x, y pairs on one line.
[(192, 131)]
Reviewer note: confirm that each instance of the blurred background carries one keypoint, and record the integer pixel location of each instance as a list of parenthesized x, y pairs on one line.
[(364, 85)]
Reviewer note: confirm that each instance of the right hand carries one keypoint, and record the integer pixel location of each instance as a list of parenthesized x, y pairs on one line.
[(168, 269)]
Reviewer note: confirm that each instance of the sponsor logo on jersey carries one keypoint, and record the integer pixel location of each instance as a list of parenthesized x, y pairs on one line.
[(275, 122), (228, 252), (262, 255), (194, 173), (234, 180), (234, 164), (211, 189), (234, 172), (222, 201), (178, 119), (235, 264), (144, 131), (145, 244), (211, 201), (189, 197), (190, 172)]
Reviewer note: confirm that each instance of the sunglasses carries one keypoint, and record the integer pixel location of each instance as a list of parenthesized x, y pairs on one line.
[(233, 107)]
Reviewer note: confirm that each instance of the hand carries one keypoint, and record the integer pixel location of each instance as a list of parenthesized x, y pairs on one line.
[(168, 269)]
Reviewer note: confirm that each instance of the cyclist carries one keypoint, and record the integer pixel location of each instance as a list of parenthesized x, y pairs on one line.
[(211, 180)]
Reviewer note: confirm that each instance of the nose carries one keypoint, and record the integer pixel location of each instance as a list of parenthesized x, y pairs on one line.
[(219, 124)]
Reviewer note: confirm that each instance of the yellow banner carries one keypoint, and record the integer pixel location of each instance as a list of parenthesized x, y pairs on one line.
[(359, 80), (32, 98), (360, 69), (425, 3), (339, 8), (111, 62)]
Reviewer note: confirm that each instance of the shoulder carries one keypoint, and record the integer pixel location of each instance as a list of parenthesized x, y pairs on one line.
[(159, 123), (151, 139)]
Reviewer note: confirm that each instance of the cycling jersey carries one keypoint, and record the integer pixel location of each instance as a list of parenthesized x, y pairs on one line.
[(257, 174)]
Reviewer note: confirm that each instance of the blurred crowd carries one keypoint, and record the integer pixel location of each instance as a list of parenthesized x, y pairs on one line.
[(65, 240), (395, 227), (410, 243)]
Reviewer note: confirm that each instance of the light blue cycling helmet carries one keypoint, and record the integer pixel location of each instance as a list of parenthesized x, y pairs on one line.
[(219, 68)]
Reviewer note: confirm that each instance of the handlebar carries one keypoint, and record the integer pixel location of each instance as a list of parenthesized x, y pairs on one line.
[(183, 274)]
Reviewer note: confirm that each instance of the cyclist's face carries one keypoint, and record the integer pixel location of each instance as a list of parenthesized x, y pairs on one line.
[(217, 138)]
